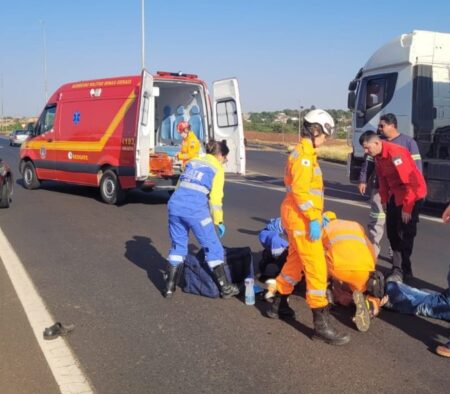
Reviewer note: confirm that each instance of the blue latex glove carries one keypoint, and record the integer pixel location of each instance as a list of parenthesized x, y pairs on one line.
[(325, 221), (314, 230), (221, 229)]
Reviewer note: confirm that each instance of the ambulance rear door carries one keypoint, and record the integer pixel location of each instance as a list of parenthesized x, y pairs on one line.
[(145, 136), (228, 124)]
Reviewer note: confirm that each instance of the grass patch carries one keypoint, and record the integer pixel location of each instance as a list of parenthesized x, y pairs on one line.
[(334, 150)]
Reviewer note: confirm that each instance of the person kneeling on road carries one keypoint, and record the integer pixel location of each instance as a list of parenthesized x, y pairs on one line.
[(351, 260), (190, 209), (273, 238)]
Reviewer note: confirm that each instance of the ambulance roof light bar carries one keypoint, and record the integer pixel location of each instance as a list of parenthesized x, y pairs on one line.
[(178, 74)]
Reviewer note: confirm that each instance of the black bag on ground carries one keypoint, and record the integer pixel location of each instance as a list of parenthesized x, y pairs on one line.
[(198, 277), (270, 266)]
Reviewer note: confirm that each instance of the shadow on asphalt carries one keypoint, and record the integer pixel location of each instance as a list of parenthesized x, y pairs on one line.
[(263, 306), (133, 196), (142, 253)]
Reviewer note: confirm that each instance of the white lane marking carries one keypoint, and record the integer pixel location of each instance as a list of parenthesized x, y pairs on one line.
[(61, 360), (254, 173), (263, 185)]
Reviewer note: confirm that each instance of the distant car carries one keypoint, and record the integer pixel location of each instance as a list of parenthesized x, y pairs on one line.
[(17, 137), (6, 184)]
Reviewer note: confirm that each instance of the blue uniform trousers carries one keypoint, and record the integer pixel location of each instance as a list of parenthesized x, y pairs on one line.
[(205, 233)]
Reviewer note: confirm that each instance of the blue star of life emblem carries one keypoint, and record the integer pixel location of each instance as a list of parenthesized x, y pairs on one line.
[(76, 117)]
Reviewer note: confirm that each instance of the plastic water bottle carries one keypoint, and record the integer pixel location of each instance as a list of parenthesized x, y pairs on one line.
[(249, 291)]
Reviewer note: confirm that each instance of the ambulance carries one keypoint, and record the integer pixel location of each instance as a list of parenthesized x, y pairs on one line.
[(120, 133)]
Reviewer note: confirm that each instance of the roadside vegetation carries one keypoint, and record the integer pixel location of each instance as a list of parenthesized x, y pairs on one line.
[(286, 121), (281, 128)]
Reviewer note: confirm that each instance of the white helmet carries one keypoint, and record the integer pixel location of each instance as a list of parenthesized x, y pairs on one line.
[(322, 118)]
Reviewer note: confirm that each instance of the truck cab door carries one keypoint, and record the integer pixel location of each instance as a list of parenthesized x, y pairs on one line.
[(145, 136), (228, 124)]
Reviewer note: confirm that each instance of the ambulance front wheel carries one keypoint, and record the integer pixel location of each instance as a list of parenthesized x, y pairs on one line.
[(30, 179), (110, 189)]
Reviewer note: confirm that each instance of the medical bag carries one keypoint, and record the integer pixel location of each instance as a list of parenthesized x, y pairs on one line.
[(198, 277)]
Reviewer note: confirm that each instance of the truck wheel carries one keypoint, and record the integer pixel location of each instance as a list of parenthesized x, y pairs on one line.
[(30, 180), (110, 189), (5, 195)]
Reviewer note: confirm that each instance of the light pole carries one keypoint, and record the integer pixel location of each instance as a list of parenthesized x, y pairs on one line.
[(300, 121), (44, 47), (142, 34), (1, 83)]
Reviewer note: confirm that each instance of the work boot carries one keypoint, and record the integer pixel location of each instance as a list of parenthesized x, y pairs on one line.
[(323, 329), (280, 308), (172, 277), (227, 289), (362, 314)]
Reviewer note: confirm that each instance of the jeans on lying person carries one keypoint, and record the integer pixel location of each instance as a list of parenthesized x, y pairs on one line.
[(409, 300)]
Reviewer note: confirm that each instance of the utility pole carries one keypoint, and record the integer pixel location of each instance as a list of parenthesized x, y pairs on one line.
[(3, 119), (300, 121), (142, 34), (44, 47)]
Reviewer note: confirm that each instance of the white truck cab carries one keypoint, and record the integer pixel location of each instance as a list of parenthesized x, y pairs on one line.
[(409, 77)]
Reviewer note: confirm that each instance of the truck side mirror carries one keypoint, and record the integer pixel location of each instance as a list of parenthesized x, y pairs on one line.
[(351, 100)]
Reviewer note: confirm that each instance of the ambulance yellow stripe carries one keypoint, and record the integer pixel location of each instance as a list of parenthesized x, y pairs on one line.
[(87, 146)]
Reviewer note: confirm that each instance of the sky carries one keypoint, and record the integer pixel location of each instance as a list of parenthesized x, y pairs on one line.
[(285, 53)]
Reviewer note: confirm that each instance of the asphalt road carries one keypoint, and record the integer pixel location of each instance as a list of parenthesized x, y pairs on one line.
[(99, 267)]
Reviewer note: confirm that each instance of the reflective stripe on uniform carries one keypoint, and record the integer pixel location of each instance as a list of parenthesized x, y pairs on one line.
[(288, 279), (277, 251), (194, 186), (317, 171), (316, 192), (299, 233), (347, 237), (216, 207), (416, 156), (317, 292), (214, 263), (369, 158), (306, 205), (206, 221), (377, 215), (196, 163), (294, 154), (175, 257)]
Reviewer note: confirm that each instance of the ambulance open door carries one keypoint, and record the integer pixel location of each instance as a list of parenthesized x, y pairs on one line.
[(145, 136), (228, 123)]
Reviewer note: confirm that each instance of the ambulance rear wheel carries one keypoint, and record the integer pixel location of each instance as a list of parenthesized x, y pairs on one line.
[(30, 179), (110, 189)]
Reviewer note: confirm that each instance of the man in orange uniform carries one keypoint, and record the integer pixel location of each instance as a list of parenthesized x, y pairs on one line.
[(190, 146), (301, 214), (351, 260)]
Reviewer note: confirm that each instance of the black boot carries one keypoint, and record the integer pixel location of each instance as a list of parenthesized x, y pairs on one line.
[(227, 289), (172, 277), (280, 308), (324, 330)]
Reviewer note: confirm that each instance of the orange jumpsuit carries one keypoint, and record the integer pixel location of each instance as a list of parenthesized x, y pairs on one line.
[(349, 254), (302, 204), (190, 148)]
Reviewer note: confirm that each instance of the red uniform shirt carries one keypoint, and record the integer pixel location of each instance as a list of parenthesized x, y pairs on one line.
[(398, 175)]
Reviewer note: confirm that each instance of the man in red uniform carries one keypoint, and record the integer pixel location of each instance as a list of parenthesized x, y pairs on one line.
[(402, 191)]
